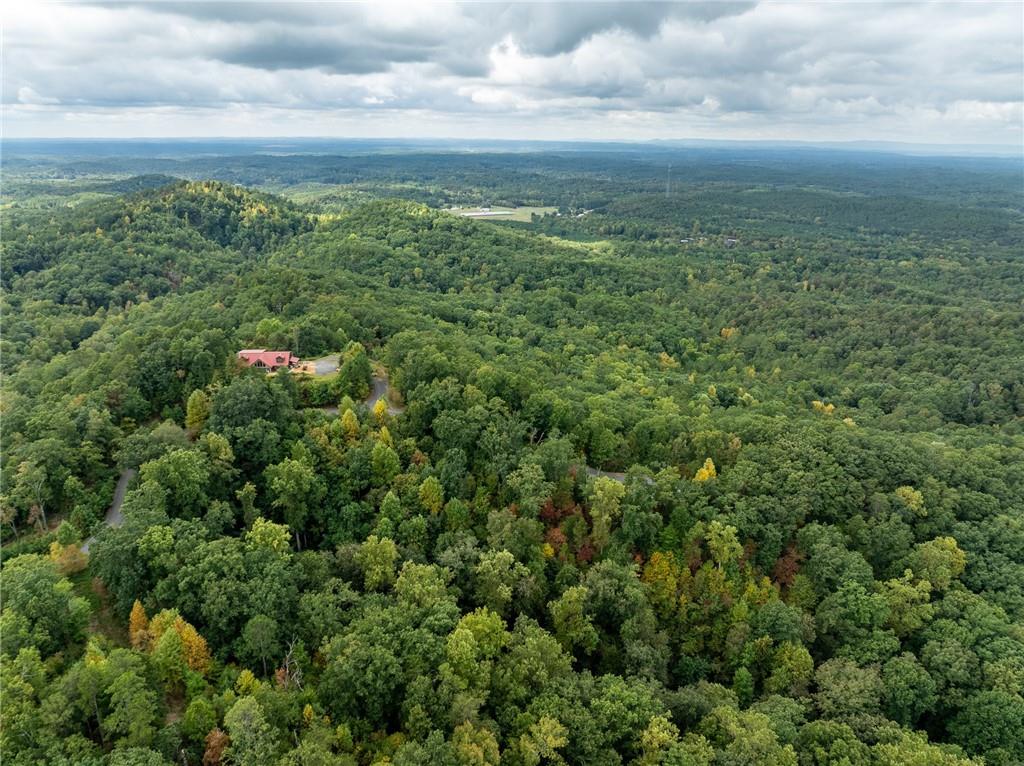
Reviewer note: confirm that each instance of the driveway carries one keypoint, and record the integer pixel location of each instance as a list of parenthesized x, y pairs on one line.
[(114, 517), (617, 475), (327, 364), (379, 389)]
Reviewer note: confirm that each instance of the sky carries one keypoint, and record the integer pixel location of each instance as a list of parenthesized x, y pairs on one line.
[(940, 72)]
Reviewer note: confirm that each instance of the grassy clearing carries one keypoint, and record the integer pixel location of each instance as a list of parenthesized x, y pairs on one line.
[(521, 214), (596, 247)]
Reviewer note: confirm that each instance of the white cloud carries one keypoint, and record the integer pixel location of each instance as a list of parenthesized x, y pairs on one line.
[(918, 71)]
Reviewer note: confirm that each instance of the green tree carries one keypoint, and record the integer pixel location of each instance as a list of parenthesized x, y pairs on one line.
[(990, 724), (199, 720), (32, 491), (572, 625), (354, 373), (385, 464), (846, 689), (908, 689), (296, 490), (168, 659), (378, 557), (184, 475), (431, 495), (938, 562), (40, 609), (530, 488), (499, 577), (252, 739), (133, 711), (197, 411), (261, 638), (268, 536), (831, 743), (605, 508), (745, 738)]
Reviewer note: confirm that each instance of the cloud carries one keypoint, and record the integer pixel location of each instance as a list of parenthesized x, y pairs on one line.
[(947, 72)]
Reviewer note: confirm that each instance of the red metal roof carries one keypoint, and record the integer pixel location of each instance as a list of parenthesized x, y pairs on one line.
[(269, 358)]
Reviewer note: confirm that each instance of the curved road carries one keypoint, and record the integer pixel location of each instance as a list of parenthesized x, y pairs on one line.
[(617, 475), (379, 389), (114, 518)]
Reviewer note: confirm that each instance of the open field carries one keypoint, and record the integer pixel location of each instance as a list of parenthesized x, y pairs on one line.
[(523, 214)]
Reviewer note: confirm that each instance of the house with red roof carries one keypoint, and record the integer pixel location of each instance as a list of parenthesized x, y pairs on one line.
[(262, 359)]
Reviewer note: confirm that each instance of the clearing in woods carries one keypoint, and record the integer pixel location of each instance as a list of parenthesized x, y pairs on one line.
[(522, 214)]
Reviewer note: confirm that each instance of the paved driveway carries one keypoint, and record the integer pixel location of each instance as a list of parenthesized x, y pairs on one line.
[(114, 517)]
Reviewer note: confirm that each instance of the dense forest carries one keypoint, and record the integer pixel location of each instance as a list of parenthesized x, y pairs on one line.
[(720, 468)]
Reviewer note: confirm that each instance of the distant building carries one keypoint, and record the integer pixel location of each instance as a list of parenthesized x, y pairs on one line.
[(262, 359)]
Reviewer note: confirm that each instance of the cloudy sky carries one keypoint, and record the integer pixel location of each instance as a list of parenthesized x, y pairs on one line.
[(939, 72)]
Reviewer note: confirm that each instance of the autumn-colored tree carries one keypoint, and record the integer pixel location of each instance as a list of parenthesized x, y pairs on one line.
[(69, 559), (138, 627), (197, 653), (147, 635), (706, 471), (216, 743), (159, 624)]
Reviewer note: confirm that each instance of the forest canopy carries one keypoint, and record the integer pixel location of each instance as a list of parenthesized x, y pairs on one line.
[(728, 473)]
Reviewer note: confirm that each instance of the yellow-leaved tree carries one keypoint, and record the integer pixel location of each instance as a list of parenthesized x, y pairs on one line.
[(350, 425), (706, 471)]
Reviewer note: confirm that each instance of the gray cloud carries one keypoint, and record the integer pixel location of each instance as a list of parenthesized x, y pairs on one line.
[(939, 72)]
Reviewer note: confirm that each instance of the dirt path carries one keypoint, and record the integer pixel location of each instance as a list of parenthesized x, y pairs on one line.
[(114, 517)]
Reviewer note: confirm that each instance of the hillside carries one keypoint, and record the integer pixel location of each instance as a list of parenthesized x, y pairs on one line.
[(63, 273), (816, 554)]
